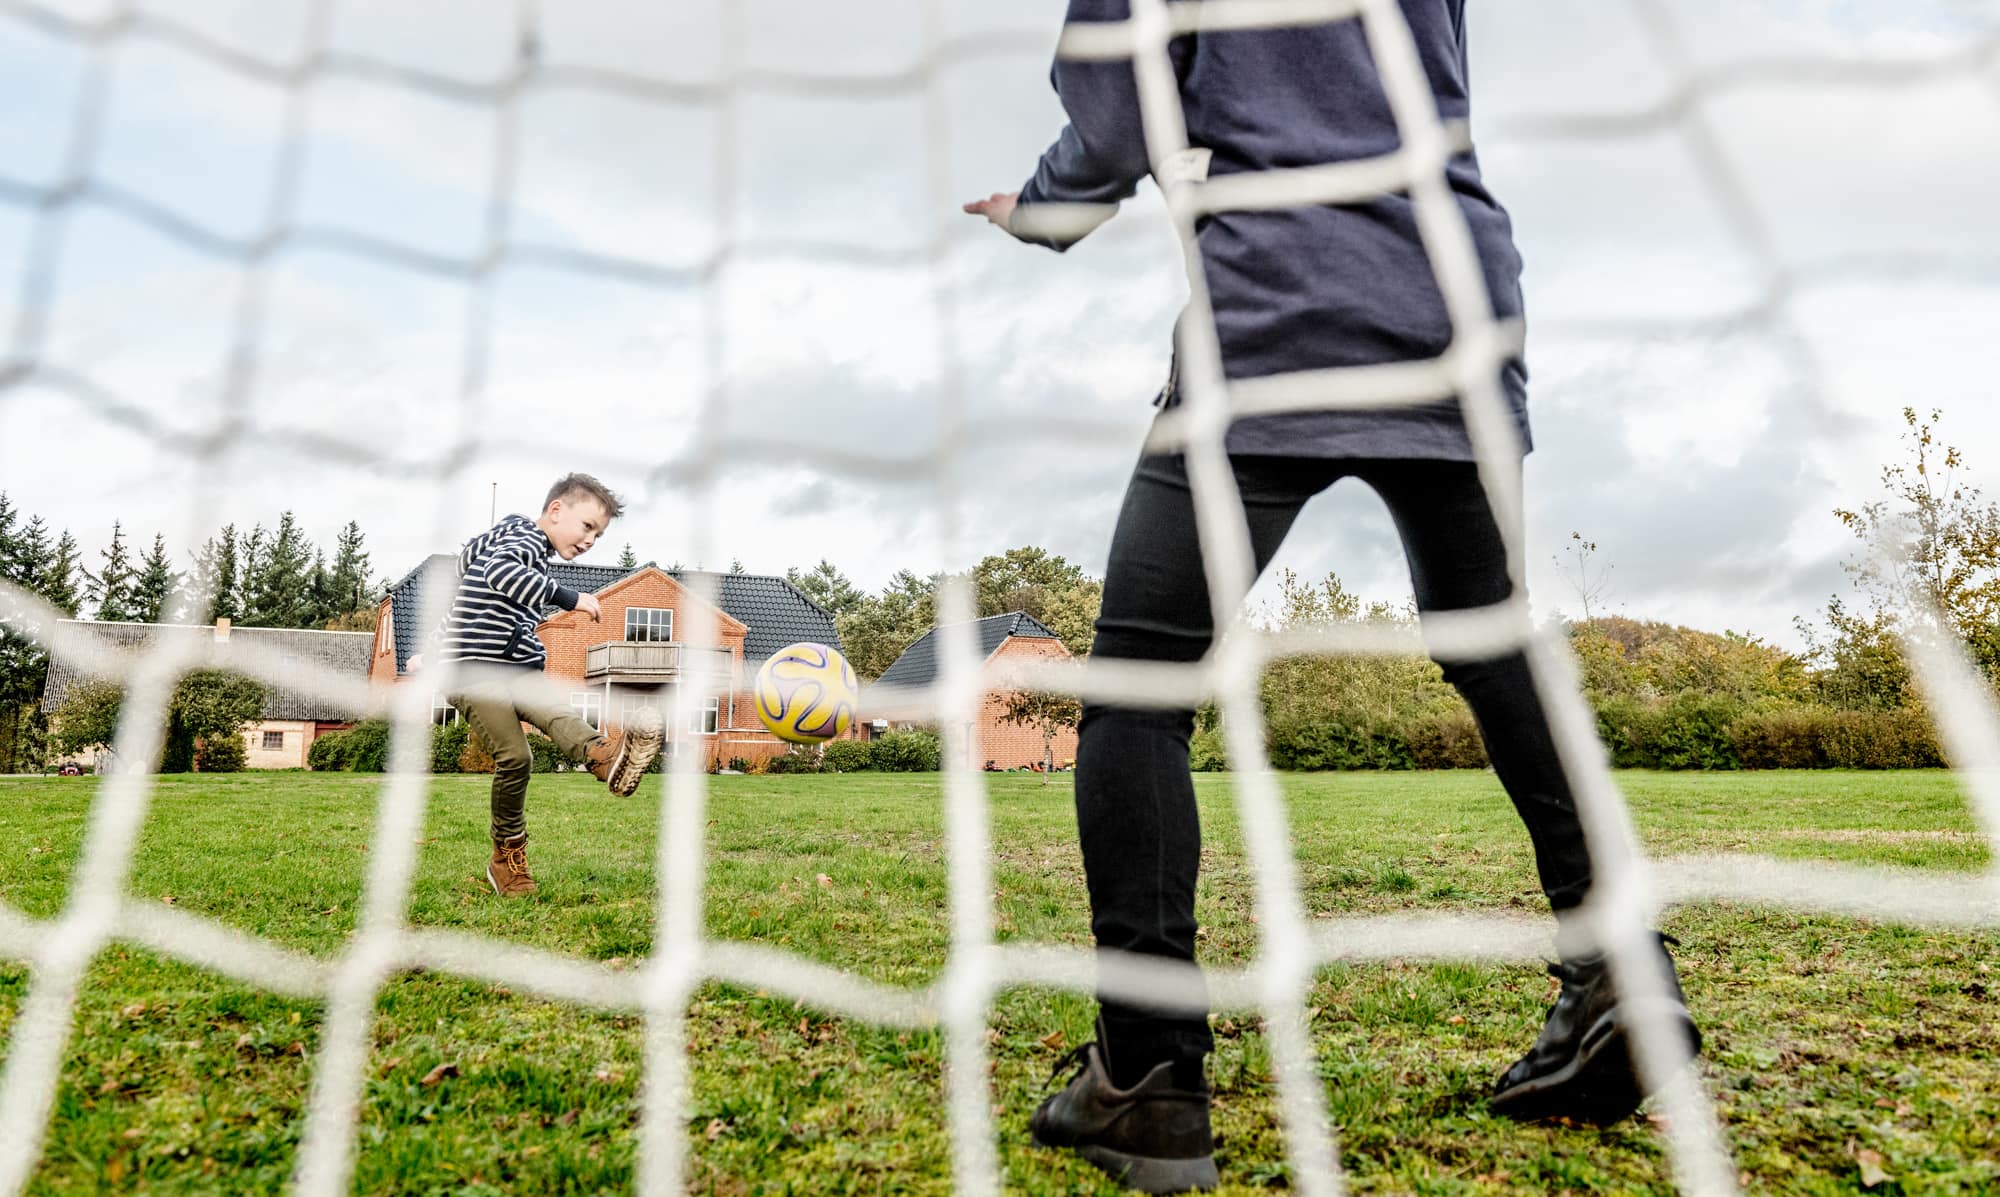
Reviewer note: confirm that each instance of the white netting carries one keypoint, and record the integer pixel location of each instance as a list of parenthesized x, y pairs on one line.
[(1630, 891)]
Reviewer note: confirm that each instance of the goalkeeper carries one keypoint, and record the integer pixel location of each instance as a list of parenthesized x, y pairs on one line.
[(504, 585), (1292, 289)]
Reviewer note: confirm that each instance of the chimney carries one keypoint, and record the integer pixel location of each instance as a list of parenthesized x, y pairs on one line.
[(222, 628)]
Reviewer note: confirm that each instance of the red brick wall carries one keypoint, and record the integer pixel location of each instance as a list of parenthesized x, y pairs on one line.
[(1011, 745)]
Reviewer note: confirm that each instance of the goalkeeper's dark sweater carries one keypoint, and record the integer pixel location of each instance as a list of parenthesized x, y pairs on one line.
[(1301, 288), (504, 585)]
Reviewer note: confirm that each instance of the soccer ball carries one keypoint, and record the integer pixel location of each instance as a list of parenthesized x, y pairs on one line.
[(806, 693)]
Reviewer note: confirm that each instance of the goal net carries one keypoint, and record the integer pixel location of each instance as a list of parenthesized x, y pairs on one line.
[(697, 270)]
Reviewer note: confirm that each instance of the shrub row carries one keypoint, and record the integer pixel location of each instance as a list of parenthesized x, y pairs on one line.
[(1448, 741), (896, 752), (1689, 732), (364, 748)]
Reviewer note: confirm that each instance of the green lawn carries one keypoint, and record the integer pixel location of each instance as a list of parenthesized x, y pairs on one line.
[(1828, 1039)]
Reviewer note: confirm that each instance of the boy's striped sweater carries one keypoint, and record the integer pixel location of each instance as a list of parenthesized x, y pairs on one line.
[(503, 586)]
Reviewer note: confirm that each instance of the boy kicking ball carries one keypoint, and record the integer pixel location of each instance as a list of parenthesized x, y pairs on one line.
[(504, 584)]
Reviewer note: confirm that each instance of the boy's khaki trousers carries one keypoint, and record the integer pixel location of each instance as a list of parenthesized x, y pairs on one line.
[(496, 700)]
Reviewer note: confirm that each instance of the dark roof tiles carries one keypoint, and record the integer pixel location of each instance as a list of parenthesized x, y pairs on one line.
[(775, 611), (337, 652), (918, 666)]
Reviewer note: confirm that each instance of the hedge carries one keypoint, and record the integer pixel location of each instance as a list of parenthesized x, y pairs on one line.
[(906, 752), (848, 756)]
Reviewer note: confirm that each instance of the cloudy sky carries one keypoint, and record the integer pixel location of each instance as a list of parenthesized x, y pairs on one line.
[(742, 293)]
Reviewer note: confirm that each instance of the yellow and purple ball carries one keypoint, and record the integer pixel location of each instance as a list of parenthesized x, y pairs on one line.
[(806, 693)]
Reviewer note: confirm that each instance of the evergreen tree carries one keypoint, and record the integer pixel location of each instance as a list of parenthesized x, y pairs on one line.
[(826, 585), (279, 590), (349, 576), (249, 560), (24, 665), (154, 586), (322, 603), (10, 542), (626, 559), (33, 555), (59, 582), (215, 575), (112, 586)]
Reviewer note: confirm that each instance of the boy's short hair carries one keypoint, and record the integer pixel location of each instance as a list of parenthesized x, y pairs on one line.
[(571, 485)]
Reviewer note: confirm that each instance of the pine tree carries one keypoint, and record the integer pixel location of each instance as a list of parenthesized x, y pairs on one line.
[(321, 603), (59, 580), (249, 560), (111, 586), (348, 579), (279, 589), (10, 541), (627, 560), (33, 555), (153, 588), (215, 572), (825, 585)]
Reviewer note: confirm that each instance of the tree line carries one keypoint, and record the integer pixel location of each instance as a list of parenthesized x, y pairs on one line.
[(272, 577)]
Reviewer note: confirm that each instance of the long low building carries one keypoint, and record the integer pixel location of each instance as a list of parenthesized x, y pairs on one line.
[(291, 720)]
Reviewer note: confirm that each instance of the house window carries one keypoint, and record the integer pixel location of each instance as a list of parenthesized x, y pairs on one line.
[(649, 623), (702, 720), (442, 712), (589, 707), (274, 741), (386, 635)]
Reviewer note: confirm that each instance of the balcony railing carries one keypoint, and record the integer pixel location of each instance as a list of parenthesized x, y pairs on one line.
[(652, 659)]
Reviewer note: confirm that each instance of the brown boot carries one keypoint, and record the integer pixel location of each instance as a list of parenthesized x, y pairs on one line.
[(507, 872), (621, 765)]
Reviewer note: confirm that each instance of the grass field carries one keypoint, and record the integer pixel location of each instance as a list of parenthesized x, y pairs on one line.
[(1840, 1053)]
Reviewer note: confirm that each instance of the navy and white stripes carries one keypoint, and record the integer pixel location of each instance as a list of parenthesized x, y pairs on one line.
[(503, 586)]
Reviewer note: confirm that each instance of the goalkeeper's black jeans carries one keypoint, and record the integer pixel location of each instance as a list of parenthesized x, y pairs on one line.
[(1134, 796)]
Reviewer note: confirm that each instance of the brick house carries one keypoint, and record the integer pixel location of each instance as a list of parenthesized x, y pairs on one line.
[(1014, 636), (634, 657), (290, 721)]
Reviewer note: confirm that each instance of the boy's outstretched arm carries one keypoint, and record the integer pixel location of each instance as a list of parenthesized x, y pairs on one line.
[(1100, 156)]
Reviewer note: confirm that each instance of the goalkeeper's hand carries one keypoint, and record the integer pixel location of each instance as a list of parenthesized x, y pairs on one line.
[(587, 603), (998, 208)]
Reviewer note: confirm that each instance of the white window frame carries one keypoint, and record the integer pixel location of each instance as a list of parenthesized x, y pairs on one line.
[(705, 719), (267, 746), (443, 714), (589, 707), (650, 624), (386, 635)]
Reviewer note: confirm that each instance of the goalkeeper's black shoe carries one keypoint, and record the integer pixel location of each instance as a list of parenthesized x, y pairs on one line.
[(1153, 1137), (1582, 1066)]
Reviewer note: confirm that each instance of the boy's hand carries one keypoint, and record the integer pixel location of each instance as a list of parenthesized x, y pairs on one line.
[(588, 603), (415, 663), (998, 208)]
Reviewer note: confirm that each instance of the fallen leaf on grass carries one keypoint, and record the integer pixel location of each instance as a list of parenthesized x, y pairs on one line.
[(1872, 1172), (134, 1010), (438, 1074), (1052, 1040), (825, 882), (714, 1129), (568, 1118), (135, 1133), (167, 898)]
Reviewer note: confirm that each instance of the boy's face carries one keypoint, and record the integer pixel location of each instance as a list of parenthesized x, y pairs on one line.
[(573, 523)]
